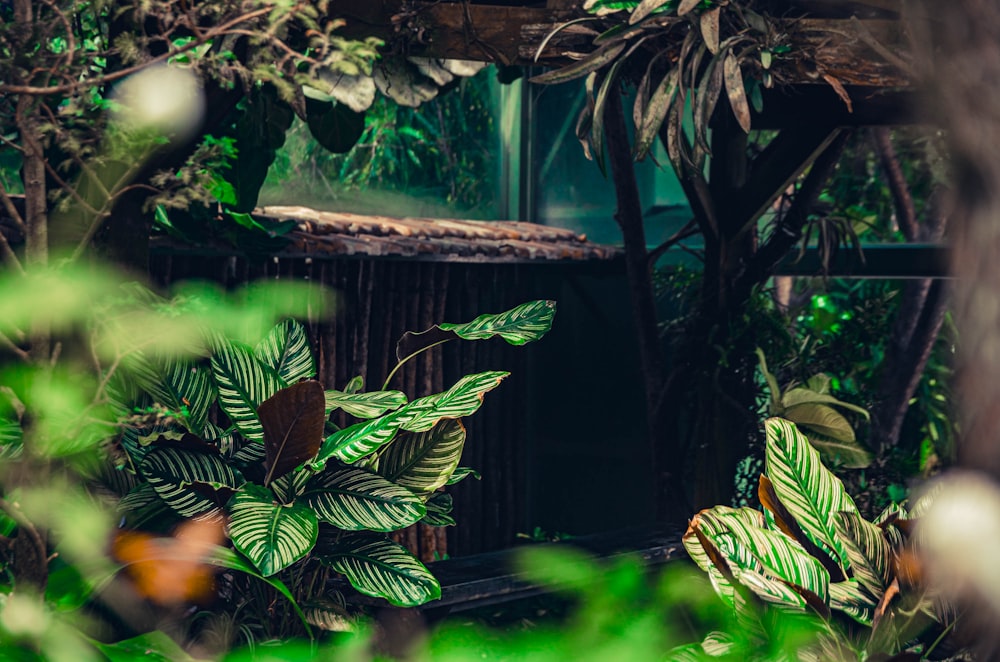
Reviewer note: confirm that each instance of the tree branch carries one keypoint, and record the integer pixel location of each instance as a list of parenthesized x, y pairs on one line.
[(906, 213)]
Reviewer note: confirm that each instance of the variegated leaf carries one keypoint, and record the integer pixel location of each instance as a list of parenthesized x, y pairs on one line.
[(424, 461), (10, 439), (290, 486), (243, 383), (272, 535), (286, 350), (850, 598), (360, 440), (462, 399), (364, 405), (461, 473), (439, 509), (518, 326), (356, 500), (195, 485), (178, 384), (807, 489), (868, 550), (381, 568)]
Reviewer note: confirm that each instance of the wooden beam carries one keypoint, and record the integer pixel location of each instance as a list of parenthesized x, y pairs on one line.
[(801, 105)]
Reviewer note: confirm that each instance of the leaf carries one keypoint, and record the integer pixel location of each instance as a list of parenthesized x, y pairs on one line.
[(518, 326), (462, 399), (335, 126), (659, 103), (737, 94), (192, 484), (356, 385), (273, 536), (838, 87), (686, 6), (709, 24), (329, 616), (644, 9), (850, 598), (808, 490), (243, 382), (286, 350), (868, 551), (381, 568), (850, 455), (356, 500), (461, 473), (820, 383), (155, 646), (822, 419), (177, 384), (439, 509), (596, 60), (424, 461), (364, 405), (293, 421), (772, 384), (288, 487), (808, 395)]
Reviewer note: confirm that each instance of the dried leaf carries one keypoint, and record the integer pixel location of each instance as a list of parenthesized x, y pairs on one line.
[(686, 6), (841, 92), (590, 64), (644, 9), (706, 98), (659, 103), (710, 29), (737, 95)]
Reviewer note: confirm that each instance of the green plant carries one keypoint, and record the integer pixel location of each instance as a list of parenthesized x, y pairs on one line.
[(813, 409), (809, 551), (297, 492)]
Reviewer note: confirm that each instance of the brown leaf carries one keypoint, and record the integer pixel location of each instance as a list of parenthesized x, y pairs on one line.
[(891, 593), (293, 421), (737, 95), (841, 92), (710, 29), (686, 6)]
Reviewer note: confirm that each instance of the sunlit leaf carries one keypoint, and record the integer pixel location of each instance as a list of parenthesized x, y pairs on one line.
[(381, 568), (424, 461), (356, 500), (272, 535), (364, 405), (193, 484), (286, 350)]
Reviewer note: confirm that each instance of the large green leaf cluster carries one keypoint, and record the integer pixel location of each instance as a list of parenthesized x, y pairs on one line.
[(270, 462), (809, 550)]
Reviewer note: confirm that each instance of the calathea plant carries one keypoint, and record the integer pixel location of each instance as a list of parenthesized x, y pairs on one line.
[(291, 486), (814, 410), (809, 551)]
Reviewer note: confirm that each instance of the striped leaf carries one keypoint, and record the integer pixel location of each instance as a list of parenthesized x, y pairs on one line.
[(462, 399), (193, 484), (852, 599), (273, 536), (290, 486), (362, 439), (293, 421), (10, 439), (424, 461), (810, 493), (177, 384), (364, 405), (356, 500), (243, 383), (439, 509), (381, 568), (461, 473), (518, 326), (868, 550), (286, 351)]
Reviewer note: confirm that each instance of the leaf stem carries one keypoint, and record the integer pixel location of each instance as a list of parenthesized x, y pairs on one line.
[(399, 365)]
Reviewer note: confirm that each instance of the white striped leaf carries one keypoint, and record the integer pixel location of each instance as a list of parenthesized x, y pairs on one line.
[(243, 383), (462, 399), (518, 326), (272, 535), (852, 599), (381, 568), (461, 473), (286, 350), (364, 405), (293, 422), (424, 461), (708, 526), (10, 438), (356, 500), (362, 439), (439, 509), (177, 384), (807, 489), (195, 485), (291, 485), (868, 550)]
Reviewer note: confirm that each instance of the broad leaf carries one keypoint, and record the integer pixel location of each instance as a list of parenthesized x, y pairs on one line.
[(179, 385), (868, 551), (461, 473), (518, 326), (273, 536), (424, 461), (356, 500), (462, 399), (10, 439), (286, 351), (288, 487), (364, 405), (807, 395), (244, 382), (822, 419), (850, 598), (192, 484), (293, 421), (360, 440), (439, 509), (847, 454), (807, 489), (660, 101), (381, 568)]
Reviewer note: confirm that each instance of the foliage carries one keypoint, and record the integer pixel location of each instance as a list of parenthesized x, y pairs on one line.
[(810, 551), (812, 408)]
